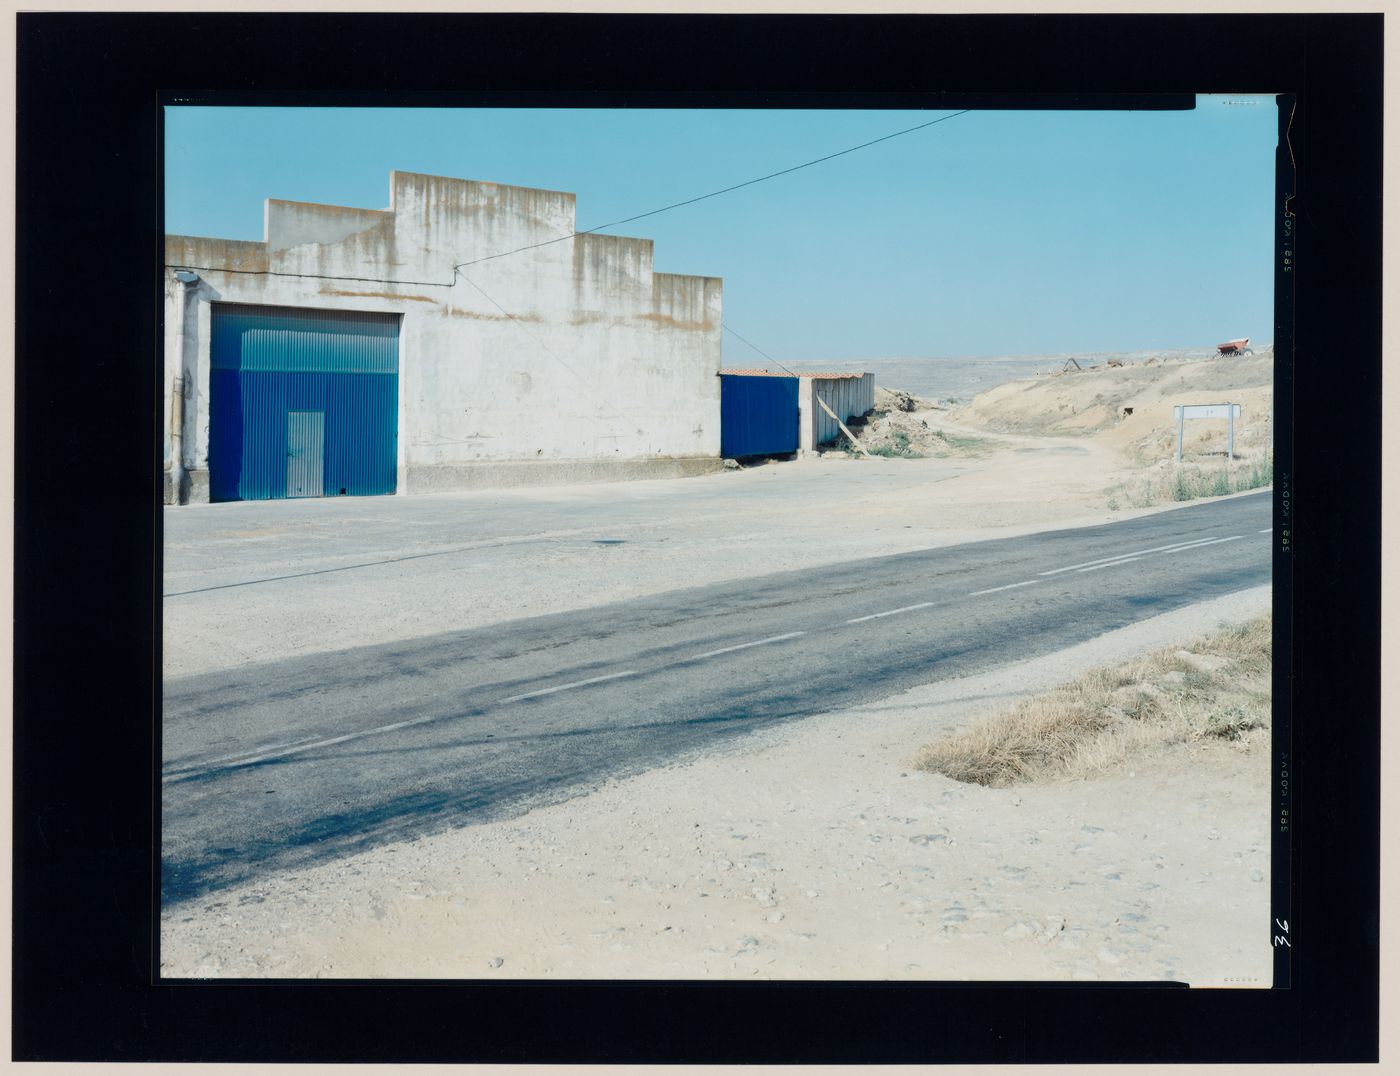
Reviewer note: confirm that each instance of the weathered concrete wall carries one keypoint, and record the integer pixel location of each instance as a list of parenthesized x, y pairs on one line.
[(569, 361), (847, 395)]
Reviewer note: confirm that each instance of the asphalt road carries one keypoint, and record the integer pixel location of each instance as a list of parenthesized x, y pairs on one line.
[(279, 765)]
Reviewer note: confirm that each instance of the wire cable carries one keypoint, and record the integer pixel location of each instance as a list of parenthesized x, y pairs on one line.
[(547, 350), (588, 231), (313, 276), (716, 194), (457, 269), (765, 354)]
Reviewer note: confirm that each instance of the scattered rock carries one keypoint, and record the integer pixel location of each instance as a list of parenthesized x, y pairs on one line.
[(730, 465), (923, 839), (775, 917), (895, 400), (1256, 875), (764, 896), (496, 961)]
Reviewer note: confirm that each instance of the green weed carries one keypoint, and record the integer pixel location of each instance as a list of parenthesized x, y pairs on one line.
[(1190, 482)]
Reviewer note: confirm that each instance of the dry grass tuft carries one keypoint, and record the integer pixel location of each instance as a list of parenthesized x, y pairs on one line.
[(1189, 482), (1217, 689)]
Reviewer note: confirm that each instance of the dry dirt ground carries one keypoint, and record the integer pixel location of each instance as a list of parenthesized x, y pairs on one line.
[(814, 850), (1126, 407), (811, 851)]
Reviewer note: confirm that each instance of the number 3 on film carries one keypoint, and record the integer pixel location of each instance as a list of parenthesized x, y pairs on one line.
[(1282, 939)]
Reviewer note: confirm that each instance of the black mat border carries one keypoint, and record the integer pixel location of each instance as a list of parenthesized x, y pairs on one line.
[(88, 521)]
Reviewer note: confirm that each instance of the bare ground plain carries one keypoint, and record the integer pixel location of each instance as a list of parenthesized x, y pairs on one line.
[(813, 850)]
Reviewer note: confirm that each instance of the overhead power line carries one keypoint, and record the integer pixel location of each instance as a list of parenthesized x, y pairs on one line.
[(316, 276), (543, 347), (765, 354), (716, 194), (456, 269), (589, 231)]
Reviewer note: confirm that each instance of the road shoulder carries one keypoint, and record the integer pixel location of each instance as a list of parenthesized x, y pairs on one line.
[(807, 851)]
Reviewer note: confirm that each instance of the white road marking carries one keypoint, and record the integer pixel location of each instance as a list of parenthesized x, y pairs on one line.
[(1134, 554), (263, 755), (1217, 541), (745, 646), (232, 761), (993, 590), (246, 752), (566, 687), (1165, 552), (888, 612), (1110, 564), (298, 746), (282, 752)]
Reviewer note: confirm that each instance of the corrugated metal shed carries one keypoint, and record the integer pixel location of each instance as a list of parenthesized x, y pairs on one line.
[(298, 395), (846, 394)]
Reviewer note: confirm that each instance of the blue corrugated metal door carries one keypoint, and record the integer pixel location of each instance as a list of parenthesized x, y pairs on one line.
[(757, 415), (271, 370)]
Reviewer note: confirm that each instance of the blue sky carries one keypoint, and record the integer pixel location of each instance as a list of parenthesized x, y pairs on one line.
[(995, 233)]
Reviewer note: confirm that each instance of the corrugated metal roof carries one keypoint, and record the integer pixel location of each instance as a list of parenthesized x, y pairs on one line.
[(778, 373)]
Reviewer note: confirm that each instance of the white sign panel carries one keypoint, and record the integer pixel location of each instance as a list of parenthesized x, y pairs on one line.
[(1226, 411), (1207, 411)]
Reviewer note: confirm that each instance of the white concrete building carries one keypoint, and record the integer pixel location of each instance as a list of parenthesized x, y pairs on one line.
[(397, 348)]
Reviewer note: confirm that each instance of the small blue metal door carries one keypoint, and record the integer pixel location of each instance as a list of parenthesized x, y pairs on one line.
[(306, 440)]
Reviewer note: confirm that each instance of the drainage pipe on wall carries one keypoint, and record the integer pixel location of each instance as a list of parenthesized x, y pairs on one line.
[(188, 281)]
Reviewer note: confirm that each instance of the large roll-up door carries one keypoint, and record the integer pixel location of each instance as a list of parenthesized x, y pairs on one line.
[(303, 403)]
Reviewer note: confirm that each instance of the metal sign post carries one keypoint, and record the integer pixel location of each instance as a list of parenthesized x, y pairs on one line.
[(1227, 411)]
